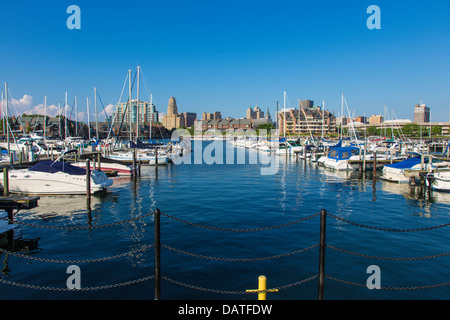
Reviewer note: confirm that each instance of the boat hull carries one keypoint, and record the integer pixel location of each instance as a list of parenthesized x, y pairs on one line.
[(42, 183)]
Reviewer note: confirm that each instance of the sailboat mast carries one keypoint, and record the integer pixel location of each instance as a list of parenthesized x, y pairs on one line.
[(137, 104), (65, 116), (45, 117), (284, 114), (88, 122), (96, 114), (323, 116), (342, 113), (59, 114), (3, 114), (7, 120), (129, 100), (76, 118), (151, 115)]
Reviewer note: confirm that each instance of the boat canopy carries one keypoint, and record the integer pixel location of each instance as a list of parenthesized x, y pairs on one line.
[(406, 164), (57, 166), (343, 153)]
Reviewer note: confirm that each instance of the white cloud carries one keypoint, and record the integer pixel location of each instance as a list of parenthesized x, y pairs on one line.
[(110, 109), (24, 105)]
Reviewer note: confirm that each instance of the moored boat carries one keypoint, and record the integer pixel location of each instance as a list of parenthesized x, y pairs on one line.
[(55, 178)]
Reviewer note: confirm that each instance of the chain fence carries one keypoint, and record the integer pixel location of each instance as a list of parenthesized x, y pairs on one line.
[(226, 259)]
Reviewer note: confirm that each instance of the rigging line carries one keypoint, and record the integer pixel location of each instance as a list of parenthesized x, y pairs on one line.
[(17, 113), (117, 109), (106, 115), (125, 111)]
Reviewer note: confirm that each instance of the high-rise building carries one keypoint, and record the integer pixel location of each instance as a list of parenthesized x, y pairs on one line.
[(146, 112), (175, 120), (421, 113)]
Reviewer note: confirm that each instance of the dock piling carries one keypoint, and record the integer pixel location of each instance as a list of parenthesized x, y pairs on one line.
[(157, 255), (323, 216), (5, 182), (88, 179)]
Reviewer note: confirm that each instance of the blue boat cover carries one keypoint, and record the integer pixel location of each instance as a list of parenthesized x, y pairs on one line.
[(57, 166), (406, 164), (342, 153)]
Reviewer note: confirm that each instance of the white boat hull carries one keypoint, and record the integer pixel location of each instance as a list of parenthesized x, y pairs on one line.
[(59, 183)]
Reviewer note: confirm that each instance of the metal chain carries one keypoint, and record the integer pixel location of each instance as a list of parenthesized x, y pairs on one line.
[(386, 258), (391, 288), (190, 286), (242, 259), (82, 227), (387, 229), (29, 257), (36, 287), (240, 230)]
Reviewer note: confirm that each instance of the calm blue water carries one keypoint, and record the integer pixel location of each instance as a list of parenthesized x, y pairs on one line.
[(237, 197)]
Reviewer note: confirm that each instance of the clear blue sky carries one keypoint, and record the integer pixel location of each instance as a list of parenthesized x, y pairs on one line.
[(229, 55)]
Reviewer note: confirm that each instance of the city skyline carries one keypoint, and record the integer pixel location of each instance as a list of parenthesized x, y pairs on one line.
[(227, 57)]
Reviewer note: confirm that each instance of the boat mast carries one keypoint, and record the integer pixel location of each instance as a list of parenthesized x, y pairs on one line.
[(45, 116), (76, 118), (342, 113), (65, 117), (323, 116), (129, 100), (137, 104), (284, 114), (88, 122), (3, 114), (96, 114), (59, 114), (151, 115), (7, 120)]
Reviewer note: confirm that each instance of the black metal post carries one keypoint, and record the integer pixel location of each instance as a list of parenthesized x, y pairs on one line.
[(323, 217), (157, 255), (88, 179)]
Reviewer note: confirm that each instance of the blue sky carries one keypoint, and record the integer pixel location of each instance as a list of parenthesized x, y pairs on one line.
[(229, 55)]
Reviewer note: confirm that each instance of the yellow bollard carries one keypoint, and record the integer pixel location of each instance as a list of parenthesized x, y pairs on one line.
[(262, 288)]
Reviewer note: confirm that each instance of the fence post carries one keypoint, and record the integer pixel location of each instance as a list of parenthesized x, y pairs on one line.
[(157, 255), (323, 216), (88, 179)]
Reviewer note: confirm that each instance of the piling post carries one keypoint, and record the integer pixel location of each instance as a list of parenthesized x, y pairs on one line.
[(99, 156), (88, 179), (156, 157), (157, 255), (364, 159), (134, 161), (323, 216), (5, 182)]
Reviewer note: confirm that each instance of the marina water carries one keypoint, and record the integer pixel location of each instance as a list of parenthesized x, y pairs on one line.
[(219, 233)]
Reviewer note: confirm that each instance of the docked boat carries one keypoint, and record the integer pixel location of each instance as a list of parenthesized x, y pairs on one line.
[(107, 164), (438, 180), (145, 157), (55, 178), (395, 172), (404, 171), (338, 158)]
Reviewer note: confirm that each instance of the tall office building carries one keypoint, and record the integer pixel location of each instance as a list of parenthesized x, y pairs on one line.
[(421, 113)]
